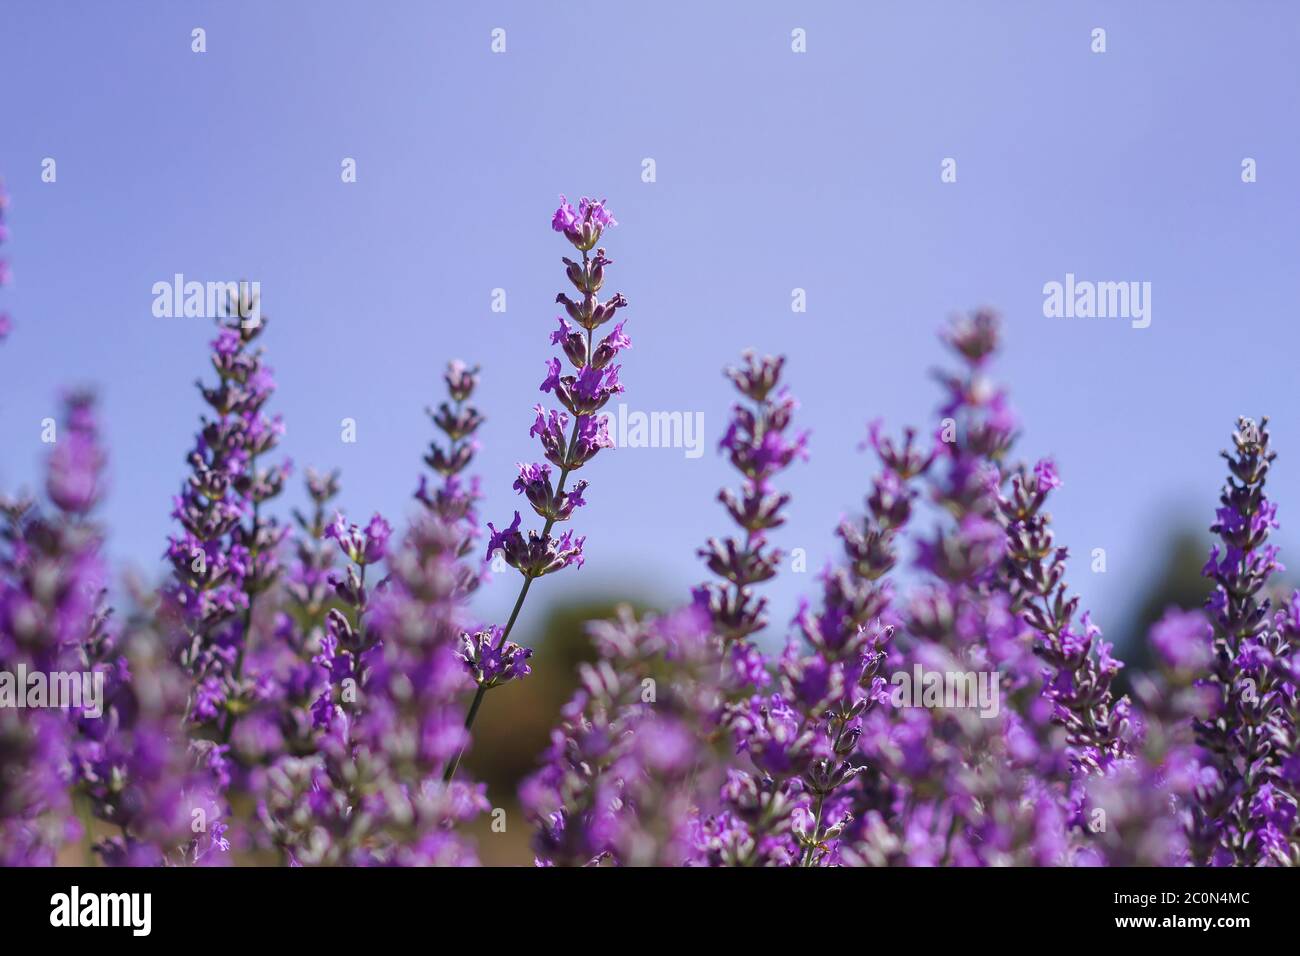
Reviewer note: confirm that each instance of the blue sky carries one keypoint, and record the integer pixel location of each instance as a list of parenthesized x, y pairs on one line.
[(775, 170)]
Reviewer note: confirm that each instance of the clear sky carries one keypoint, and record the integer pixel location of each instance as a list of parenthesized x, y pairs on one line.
[(775, 170)]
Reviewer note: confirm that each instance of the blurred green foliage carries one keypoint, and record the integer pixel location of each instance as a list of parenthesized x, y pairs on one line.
[(1177, 582)]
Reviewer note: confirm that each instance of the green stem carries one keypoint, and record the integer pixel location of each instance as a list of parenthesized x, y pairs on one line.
[(817, 829), (821, 800)]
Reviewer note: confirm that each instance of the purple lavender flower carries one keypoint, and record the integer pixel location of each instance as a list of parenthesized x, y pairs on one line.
[(51, 585), (361, 546), (458, 420), (758, 447), (834, 679), (583, 227), (1183, 639), (534, 483), (630, 757), (535, 554), (1246, 816), (137, 773), (613, 788), (1082, 667), (490, 661), (582, 394), (370, 793), (53, 619), (224, 556)]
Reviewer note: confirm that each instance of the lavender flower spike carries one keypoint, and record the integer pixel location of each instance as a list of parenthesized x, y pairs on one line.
[(1248, 816), (583, 392), (226, 551)]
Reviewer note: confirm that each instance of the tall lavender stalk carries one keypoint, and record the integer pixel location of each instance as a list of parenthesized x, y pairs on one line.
[(458, 420), (753, 819), (758, 448), (1248, 817), (948, 787), (226, 552), (1081, 666), (489, 654), (835, 678)]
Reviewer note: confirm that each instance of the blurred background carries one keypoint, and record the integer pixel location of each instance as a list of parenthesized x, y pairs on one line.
[(774, 171)]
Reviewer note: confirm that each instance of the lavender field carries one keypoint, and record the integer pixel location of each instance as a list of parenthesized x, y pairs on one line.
[(582, 470)]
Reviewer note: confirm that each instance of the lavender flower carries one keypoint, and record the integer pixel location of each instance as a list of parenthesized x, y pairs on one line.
[(370, 794), (51, 586), (137, 773), (758, 447), (362, 546), (300, 629), (835, 680), (1082, 668), (383, 676), (224, 557), (491, 661), (754, 816), (53, 619), (637, 773), (458, 421), (582, 393), (633, 751), (1247, 815), (582, 228), (947, 781)]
